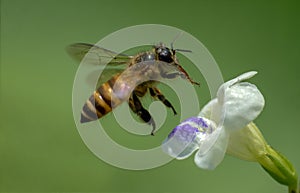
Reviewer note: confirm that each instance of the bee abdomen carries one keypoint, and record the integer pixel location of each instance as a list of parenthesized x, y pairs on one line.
[(100, 103)]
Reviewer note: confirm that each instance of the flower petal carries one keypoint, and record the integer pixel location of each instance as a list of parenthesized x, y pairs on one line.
[(180, 143), (238, 79), (212, 150), (241, 102), (226, 85), (187, 137), (211, 110)]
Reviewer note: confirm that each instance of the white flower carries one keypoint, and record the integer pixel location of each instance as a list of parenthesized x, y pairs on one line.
[(237, 104)]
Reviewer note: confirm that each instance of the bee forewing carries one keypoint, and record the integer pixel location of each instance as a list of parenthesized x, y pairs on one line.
[(93, 54), (107, 73)]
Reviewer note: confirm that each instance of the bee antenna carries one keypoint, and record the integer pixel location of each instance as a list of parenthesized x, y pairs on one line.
[(183, 50), (172, 44), (175, 38)]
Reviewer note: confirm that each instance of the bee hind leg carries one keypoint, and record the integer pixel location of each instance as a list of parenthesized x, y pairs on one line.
[(137, 107), (155, 92)]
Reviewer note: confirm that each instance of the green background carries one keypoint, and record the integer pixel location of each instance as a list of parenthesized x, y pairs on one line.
[(41, 150)]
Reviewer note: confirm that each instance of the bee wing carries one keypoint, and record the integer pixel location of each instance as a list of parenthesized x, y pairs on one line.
[(93, 54), (109, 62), (139, 73), (101, 76)]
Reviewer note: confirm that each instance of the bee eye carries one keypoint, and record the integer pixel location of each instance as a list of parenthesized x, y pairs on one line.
[(165, 55)]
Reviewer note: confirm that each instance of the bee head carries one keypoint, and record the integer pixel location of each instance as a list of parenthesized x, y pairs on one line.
[(164, 53)]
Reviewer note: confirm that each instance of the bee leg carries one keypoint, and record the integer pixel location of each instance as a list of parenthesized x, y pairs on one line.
[(136, 106), (155, 92), (170, 75), (183, 74), (186, 75)]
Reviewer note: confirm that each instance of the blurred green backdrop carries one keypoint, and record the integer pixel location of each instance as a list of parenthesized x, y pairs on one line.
[(40, 148)]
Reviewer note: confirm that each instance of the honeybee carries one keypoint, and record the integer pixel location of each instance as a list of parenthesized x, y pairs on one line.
[(130, 78)]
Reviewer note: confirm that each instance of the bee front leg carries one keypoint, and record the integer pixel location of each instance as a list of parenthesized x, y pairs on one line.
[(186, 75), (172, 75), (155, 92), (136, 106), (182, 73)]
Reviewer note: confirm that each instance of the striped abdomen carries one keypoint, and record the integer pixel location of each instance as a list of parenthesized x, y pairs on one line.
[(101, 102)]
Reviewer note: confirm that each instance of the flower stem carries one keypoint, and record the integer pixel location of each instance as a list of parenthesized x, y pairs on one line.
[(280, 168)]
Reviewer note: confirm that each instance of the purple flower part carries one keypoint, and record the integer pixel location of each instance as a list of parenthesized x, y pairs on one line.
[(197, 120), (184, 132)]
